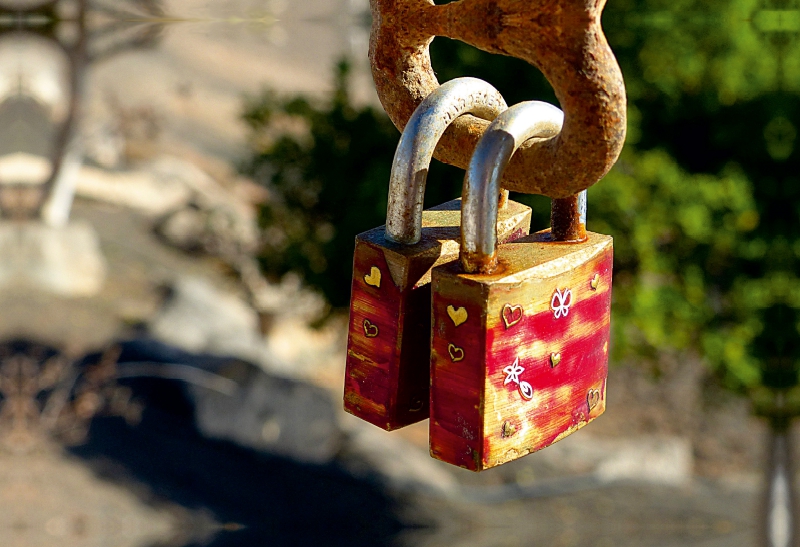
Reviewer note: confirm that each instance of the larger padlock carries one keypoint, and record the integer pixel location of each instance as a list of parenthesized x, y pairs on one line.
[(388, 349), (520, 331)]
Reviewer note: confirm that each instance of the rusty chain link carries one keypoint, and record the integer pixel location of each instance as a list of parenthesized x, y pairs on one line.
[(562, 38)]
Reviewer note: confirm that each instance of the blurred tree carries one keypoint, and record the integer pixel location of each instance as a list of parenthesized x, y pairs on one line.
[(327, 167), (702, 204)]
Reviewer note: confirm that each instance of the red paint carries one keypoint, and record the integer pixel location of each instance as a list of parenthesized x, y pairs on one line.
[(387, 377), (459, 414), (457, 388), (370, 377)]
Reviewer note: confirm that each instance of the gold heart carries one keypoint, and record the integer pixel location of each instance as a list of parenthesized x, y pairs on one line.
[(555, 359), (593, 397), (456, 353), (458, 315), (508, 429), (370, 330), (512, 315), (374, 277), (595, 282)]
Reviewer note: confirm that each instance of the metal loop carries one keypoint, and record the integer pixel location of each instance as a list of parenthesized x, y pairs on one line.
[(415, 149), (523, 121), (562, 38)]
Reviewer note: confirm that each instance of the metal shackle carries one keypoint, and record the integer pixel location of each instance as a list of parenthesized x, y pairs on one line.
[(417, 143), (523, 121)]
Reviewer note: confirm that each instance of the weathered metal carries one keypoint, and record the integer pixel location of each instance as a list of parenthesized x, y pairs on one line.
[(519, 354), (562, 38), (388, 350), (415, 150), (521, 122), (568, 218)]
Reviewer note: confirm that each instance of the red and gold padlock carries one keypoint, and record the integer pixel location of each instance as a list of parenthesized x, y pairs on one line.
[(520, 331), (388, 349)]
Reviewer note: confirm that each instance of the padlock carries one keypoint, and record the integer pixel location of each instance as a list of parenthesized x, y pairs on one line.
[(388, 349), (519, 355)]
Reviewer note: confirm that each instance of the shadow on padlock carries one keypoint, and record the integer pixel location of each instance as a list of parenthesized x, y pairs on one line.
[(388, 351), (520, 330)]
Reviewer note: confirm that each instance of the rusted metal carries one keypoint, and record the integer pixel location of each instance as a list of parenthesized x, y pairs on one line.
[(518, 124), (562, 38), (415, 149), (568, 218)]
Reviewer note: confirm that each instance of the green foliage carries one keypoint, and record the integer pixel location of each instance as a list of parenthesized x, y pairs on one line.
[(702, 203), (327, 168), (680, 240), (714, 86)]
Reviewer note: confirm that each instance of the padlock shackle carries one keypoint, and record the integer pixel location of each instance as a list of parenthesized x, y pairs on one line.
[(568, 218), (417, 143), (523, 121)]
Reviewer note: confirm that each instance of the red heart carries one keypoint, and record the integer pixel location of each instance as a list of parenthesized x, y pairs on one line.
[(512, 315)]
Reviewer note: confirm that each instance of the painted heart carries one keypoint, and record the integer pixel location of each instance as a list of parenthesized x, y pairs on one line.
[(508, 430), (555, 359), (374, 277), (458, 315), (511, 315), (456, 353), (593, 397), (370, 329), (595, 282)]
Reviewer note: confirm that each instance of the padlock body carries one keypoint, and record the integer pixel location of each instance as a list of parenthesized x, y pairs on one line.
[(387, 377), (519, 358)]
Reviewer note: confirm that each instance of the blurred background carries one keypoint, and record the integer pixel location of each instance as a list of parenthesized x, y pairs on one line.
[(181, 182)]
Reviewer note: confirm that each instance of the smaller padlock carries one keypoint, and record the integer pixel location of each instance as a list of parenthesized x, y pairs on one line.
[(387, 375), (520, 334)]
